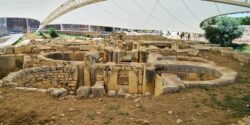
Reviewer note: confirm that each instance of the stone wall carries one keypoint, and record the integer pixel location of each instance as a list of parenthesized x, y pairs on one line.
[(10, 63), (44, 77), (221, 75)]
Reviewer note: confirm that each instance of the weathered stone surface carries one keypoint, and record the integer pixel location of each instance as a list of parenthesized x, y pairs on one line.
[(42, 90), (121, 92), (32, 89), (1, 83), (20, 88), (172, 81), (147, 94), (226, 53), (83, 92), (178, 121), (98, 90), (112, 93), (1, 98), (9, 50), (45, 76), (59, 92), (11, 84), (193, 52), (128, 96)]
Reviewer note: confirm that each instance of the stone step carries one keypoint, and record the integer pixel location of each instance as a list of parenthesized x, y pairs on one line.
[(171, 83)]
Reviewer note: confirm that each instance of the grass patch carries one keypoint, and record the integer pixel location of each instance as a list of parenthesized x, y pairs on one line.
[(243, 48), (239, 104), (107, 120), (206, 88), (91, 117), (123, 113), (114, 107)]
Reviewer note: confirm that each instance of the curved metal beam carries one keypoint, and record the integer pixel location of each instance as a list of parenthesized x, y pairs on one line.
[(232, 2), (65, 8)]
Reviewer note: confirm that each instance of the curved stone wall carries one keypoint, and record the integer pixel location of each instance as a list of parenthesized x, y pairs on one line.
[(44, 77), (184, 58), (68, 56), (212, 74)]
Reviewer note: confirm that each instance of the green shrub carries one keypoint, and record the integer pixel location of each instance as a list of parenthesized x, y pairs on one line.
[(224, 32), (42, 34), (53, 33)]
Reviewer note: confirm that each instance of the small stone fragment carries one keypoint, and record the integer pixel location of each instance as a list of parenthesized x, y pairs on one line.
[(59, 92), (142, 122), (127, 96), (178, 121), (111, 93), (170, 112)]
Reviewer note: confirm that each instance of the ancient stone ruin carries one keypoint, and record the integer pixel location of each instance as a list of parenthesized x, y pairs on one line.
[(113, 67)]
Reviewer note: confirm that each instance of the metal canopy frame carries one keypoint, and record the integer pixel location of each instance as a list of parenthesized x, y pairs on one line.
[(246, 3), (71, 5), (65, 8)]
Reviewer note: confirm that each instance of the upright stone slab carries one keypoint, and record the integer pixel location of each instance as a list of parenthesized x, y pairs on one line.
[(133, 82), (149, 78), (83, 92), (112, 80), (98, 89)]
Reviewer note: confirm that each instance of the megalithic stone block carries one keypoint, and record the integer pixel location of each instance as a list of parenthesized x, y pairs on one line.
[(133, 82), (149, 78)]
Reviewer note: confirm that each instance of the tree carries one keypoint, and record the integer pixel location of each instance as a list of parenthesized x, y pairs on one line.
[(224, 32)]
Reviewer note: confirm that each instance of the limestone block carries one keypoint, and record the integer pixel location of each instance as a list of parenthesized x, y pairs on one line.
[(172, 83), (98, 90), (28, 49), (10, 84), (193, 52), (19, 50), (35, 50), (244, 58), (158, 90), (86, 74), (59, 92), (20, 88), (9, 50), (121, 92), (133, 82), (112, 93), (42, 90), (112, 81), (83, 92), (226, 53), (32, 89), (149, 78)]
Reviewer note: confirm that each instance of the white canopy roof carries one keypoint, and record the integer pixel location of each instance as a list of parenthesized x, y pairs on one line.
[(176, 15)]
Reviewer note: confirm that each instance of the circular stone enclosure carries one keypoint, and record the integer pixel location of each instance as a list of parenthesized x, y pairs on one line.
[(66, 56), (196, 74)]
